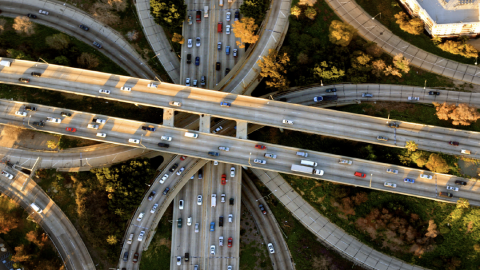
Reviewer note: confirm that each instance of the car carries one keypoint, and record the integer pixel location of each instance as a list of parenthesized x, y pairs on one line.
[(197, 63), (181, 171), (392, 171), (459, 182), (217, 66), (392, 185), (222, 198), (71, 129), (93, 126), (164, 177), (187, 81), (224, 179), (140, 216), (445, 194), (195, 83), (83, 27), (393, 124), (182, 158), (414, 98), (260, 161), (190, 22), (166, 138), (135, 141), (235, 52), (227, 29), (124, 88), (179, 260), (96, 44), (224, 148), (189, 221), (103, 91), (200, 174), (36, 74), (24, 80), (232, 172), (408, 180), (434, 93), (230, 218), (453, 143), (31, 16), (30, 108), (203, 80), (44, 12), (219, 45), (220, 241), (452, 188), (125, 256), (8, 175), (180, 204), (215, 162), (227, 70), (148, 128), (152, 85), (426, 176), (318, 99), (212, 249), (270, 248), (359, 174), (331, 90), (152, 195), (267, 155), (189, 58), (230, 241), (217, 129), (135, 257), (231, 201), (289, 122), (225, 104), (65, 114), (197, 42), (466, 152), (219, 27), (367, 95), (175, 103), (197, 227), (179, 222), (199, 16), (228, 16), (212, 226), (166, 191), (39, 124), (54, 120), (189, 43), (382, 138), (21, 113), (345, 161), (154, 208), (237, 15), (262, 208), (262, 147), (199, 199), (174, 167)]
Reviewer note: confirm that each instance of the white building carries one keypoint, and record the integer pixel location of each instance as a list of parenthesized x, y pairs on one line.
[(447, 18)]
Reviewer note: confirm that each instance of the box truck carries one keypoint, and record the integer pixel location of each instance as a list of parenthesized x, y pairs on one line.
[(214, 200), (308, 163), (205, 11), (5, 63), (305, 169)]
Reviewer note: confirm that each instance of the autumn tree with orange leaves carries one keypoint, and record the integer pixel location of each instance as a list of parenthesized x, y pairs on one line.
[(461, 114)]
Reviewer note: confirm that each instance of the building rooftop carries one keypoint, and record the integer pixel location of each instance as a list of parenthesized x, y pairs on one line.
[(451, 11)]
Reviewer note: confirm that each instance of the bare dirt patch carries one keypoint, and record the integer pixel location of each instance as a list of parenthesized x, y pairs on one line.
[(307, 2), (17, 137)]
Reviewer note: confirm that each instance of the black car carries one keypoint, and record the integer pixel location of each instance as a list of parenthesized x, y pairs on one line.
[(220, 221), (217, 66), (24, 80), (148, 128), (152, 195), (166, 145), (30, 108), (331, 90), (434, 93), (166, 191), (197, 61), (235, 52), (34, 17), (262, 209), (200, 174), (189, 58), (214, 154), (36, 74), (459, 182), (38, 124), (65, 114), (453, 143), (231, 201), (237, 15), (98, 45), (174, 167), (227, 70), (125, 256), (83, 27)]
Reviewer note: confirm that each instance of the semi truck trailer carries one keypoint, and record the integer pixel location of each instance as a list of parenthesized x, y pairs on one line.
[(305, 169)]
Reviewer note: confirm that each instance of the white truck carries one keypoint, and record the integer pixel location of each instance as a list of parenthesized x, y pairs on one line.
[(5, 63), (214, 200), (205, 11), (305, 169)]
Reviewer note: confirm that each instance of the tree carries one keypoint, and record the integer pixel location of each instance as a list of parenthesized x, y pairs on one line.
[(8, 223), (323, 72), (3, 22), (436, 40), (310, 12), (461, 114), (454, 263), (273, 66), (58, 41), (456, 47), (463, 39), (119, 212), (437, 164), (341, 33), (302, 58), (401, 63), (373, 49), (52, 144), (378, 67), (244, 29), (255, 9), (20, 254), (413, 26), (112, 240), (22, 24), (411, 146), (390, 70), (61, 60), (432, 229), (296, 11), (168, 13), (12, 53), (88, 60), (32, 236), (178, 38), (360, 61), (463, 203)]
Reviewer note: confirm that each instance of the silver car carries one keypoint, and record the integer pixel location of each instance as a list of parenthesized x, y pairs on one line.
[(212, 249), (189, 43), (260, 161), (197, 42)]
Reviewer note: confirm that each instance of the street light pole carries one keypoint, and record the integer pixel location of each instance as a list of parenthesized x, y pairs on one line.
[(425, 85), (321, 83), (249, 159), (476, 60), (377, 15), (371, 175)]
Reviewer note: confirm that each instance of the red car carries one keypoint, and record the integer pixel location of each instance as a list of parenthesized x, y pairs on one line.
[(259, 146), (359, 174), (453, 143), (230, 241), (71, 129), (224, 179), (135, 258), (183, 157)]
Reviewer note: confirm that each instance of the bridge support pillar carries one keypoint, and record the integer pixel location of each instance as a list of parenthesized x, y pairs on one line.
[(205, 120), (168, 117), (242, 130)]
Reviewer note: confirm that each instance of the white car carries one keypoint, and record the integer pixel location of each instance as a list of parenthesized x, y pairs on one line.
[(164, 177), (175, 103), (103, 91), (345, 161), (289, 122), (260, 161), (179, 260), (392, 171), (467, 152), (154, 208), (215, 162), (180, 171), (197, 42), (166, 138), (152, 85), (21, 113), (426, 176), (227, 29), (223, 198), (388, 184), (230, 218), (270, 156), (54, 120), (232, 172), (199, 199), (180, 204), (187, 81), (448, 188), (140, 216), (44, 12), (270, 248), (189, 221), (92, 126), (8, 175), (124, 88), (212, 249), (100, 121), (228, 16), (189, 43), (224, 148), (135, 141), (140, 236), (413, 98), (229, 267), (220, 241), (102, 135), (217, 129)]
